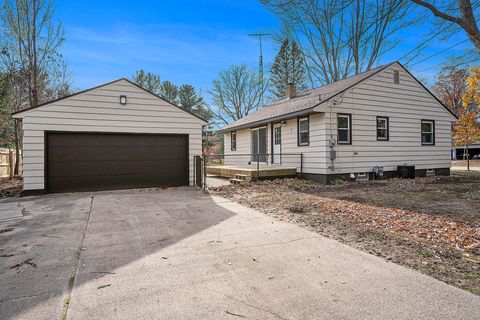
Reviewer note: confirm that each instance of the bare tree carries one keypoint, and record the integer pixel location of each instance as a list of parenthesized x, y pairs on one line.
[(459, 12), (29, 44), (236, 92), (450, 86), (341, 38), (31, 40)]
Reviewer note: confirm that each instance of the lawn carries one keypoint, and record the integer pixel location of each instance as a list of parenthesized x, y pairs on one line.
[(429, 224)]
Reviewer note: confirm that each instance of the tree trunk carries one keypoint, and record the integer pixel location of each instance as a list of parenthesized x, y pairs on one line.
[(468, 159), (17, 149)]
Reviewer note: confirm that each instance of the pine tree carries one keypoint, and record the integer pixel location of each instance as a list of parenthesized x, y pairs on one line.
[(149, 81), (188, 98), (169, 92), (288, 67)]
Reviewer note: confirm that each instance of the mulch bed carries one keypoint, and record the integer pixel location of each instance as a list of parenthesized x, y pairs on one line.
[(429, 224), (10, 187)]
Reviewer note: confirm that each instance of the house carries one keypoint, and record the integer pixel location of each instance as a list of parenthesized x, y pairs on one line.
[(114, 136), (379, 119), (462, 152)]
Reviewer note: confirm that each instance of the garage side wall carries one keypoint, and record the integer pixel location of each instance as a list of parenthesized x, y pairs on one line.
[(99, 110)]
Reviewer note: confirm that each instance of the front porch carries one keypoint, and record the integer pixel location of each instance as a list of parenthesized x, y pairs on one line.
[(251, 172)]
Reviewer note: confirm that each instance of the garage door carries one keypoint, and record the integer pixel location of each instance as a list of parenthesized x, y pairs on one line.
[(94, 161)]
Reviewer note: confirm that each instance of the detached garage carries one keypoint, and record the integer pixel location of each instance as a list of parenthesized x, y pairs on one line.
[(114, 136)]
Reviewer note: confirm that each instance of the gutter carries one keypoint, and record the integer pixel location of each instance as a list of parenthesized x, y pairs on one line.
[(268, 120)]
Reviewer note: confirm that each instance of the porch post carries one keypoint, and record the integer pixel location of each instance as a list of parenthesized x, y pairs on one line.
[(301, 164), (258, 165)]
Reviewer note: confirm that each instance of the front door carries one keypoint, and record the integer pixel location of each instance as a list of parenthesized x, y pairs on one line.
[(259, 145), (277, 143)]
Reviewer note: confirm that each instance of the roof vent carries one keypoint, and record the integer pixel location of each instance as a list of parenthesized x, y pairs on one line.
[(291, 90)]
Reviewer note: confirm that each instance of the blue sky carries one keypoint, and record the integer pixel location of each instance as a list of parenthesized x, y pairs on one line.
[(186, 41)]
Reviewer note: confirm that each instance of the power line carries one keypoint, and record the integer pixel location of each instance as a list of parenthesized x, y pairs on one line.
[(474, 6), (439, 52), (425, 42), (456, 64)]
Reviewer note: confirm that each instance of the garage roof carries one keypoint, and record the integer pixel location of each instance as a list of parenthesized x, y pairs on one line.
[(103, 85)]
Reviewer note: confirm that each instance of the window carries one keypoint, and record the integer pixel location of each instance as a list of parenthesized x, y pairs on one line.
[(303, 132), (396, 76), (277, 135), (428, 132), (233, 141), (382, 128), (344, 128)]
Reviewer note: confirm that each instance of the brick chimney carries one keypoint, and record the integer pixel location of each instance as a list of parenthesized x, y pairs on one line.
[(291, 90)]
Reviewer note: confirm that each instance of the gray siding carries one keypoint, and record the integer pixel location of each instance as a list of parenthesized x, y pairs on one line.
[(313, 163), (99, 110), (406, 104)]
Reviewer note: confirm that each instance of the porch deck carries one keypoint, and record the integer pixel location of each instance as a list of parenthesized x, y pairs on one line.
[(252, 172)]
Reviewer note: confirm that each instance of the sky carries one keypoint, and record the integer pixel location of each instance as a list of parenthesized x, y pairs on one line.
[(188, 41)]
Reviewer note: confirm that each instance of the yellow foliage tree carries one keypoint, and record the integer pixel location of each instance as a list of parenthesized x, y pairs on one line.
[(467, 130), (472, 94)]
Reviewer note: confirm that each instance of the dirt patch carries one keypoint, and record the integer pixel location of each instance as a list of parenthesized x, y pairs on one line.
[(429, 224), (10, 187)]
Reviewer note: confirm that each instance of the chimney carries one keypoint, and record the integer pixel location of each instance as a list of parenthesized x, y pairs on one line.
[(291, 90)]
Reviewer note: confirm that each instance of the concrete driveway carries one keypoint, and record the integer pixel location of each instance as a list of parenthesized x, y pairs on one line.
[(181, 254)]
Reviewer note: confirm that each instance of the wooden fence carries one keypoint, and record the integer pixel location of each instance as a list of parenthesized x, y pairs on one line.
[(7, 162)]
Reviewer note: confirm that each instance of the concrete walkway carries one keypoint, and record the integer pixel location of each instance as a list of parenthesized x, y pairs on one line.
[(465, 168), (182, 254)]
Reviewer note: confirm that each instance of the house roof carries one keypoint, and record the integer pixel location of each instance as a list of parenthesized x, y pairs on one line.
[(304, 103), (103, 85)]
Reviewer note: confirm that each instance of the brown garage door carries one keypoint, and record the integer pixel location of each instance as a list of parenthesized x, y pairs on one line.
[(99, 161)]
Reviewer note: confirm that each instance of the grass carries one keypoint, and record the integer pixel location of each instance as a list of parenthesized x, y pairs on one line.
[(71, 282)]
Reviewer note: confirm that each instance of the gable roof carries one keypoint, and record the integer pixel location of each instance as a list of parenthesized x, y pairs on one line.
[(304, 103), (101, 86)]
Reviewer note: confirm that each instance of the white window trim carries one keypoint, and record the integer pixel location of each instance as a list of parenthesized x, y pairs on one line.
[(432, 122), (386, 128), (348, 129), (300, 143), (232, 148)]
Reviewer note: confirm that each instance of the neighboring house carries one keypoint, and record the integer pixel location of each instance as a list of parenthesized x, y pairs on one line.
[(383, 117), (460, 152), (114, 136)]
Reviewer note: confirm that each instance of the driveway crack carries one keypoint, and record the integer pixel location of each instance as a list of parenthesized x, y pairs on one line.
[(78, 254)]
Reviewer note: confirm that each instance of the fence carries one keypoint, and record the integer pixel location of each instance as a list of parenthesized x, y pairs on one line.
[(7, 162), (260, 163)]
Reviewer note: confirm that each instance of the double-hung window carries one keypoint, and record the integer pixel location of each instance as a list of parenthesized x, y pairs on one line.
[(344, 128), (303, 132), (382, 128), (428, 132), (233, 141)]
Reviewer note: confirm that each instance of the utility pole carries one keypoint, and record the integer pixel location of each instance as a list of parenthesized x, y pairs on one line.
[(260, 62)]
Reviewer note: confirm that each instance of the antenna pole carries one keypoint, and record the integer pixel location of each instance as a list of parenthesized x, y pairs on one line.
[(260, 62)]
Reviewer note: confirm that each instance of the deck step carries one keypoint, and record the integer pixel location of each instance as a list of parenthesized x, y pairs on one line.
[(243, 177), (236, 181)]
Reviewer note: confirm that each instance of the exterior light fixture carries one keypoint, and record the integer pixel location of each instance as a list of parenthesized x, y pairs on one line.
[(123, 99)]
